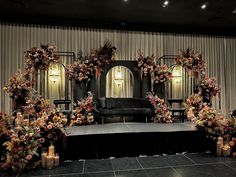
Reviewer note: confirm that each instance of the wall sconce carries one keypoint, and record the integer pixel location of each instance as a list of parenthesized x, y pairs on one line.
[(54, 73), (118, 77), (177, 74)]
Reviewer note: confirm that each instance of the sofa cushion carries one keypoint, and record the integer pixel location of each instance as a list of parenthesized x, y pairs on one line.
[(127, 111), (110, 103), (101, 102)]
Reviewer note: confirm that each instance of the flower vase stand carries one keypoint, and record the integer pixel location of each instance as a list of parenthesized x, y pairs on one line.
[(66, 111), (177, 109)]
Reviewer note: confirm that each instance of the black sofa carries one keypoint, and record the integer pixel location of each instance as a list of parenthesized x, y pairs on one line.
[(139, 108)]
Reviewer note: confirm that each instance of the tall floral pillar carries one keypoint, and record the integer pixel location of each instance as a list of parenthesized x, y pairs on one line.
[(160, 74), (80, 90), (91, 86), (78, 72), (159, 89), (208, 89), (146, 85), (145, 66)]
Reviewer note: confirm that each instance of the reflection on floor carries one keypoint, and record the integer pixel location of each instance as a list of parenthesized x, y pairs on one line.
[(179, 165)]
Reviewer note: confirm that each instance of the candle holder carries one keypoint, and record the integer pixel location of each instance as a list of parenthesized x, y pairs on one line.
[(51, 150), (56, 160), (44, 157)]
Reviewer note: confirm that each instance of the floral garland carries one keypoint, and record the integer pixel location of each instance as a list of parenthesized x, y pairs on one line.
[(208, 84), (161, 74), (84, 112), (40, 58), (162, 113), (192, 61), (145, 65)]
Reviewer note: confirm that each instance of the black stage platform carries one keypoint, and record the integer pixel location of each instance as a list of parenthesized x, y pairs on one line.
[(132, 139)]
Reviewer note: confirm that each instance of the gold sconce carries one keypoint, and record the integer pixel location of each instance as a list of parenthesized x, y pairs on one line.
[(177, 74), (54, 73), (119, 79)]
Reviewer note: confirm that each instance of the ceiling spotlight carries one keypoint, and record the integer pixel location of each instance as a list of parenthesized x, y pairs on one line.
[(234, 11), (165, 3), (125, 0), (204, 5)]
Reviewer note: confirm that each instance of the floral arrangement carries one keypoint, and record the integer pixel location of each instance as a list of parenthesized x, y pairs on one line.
[(161, 73), (103, 56), (162, 113), (193, 105), (214, 123), (19, 85), (21, 150), (209, 85), (84, 111), (35, 105), (145, 65), (78, 71), (192, 61), (97, 60), (19, 89), (51, 125), (4, 124), (40, 58)]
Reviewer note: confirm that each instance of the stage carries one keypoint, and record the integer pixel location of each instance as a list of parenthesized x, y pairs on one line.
[(132, 139)]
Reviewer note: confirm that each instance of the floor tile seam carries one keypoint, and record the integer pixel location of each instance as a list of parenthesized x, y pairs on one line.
[(61, 174), (92, 172), (176, 172), (112, 165), (78, 173), (127, 127), (189, 158), (229, 166), (83, 167), (196, 164), (114, 173), (139, 163), (130, 169)]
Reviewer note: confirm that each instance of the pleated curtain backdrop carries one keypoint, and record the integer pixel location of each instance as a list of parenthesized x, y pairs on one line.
[(219, 51)]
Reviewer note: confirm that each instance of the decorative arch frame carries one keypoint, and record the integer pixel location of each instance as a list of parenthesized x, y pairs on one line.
[(131, 65)]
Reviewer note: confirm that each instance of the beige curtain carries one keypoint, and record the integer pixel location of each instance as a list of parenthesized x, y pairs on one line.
[(219, 51)]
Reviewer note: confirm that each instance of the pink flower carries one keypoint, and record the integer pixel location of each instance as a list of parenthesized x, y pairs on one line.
[(49, 127), (28, 157), (41, 140)]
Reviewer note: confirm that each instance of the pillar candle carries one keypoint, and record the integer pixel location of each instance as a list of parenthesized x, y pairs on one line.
[(218, 148), (50, 161), (234, 154), (226, 151), (56, 160), (220, 139), (44, 160), (51, 151), (231, 144)]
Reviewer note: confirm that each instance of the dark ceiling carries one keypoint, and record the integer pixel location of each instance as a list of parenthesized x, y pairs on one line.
[(181, 16)]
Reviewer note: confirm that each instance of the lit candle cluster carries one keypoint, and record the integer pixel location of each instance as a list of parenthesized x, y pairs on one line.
[(49, 159), (225, 149)]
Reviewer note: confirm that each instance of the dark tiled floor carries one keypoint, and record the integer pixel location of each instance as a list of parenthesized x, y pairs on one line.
[(181, 165)]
